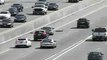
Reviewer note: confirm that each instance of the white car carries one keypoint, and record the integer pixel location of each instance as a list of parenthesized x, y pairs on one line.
[(23, 42), (5, 13), (40, 9), (48, 43), (2, 2)]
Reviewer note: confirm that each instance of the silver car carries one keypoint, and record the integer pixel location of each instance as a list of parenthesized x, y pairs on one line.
[(48, 43)]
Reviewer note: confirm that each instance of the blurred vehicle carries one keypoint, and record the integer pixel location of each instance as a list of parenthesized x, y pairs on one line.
[(83, 23), (49, 30), (39, 9), (13, 11), (48, 43), (52, 6), (39, 35), (73, 1), (20, 18), (6, 22), (95, 56), (6, 14), (2, 2), (23, 42), (19, 7), (99, 34)]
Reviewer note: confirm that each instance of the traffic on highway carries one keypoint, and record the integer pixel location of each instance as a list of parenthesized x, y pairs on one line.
[(53, 30)]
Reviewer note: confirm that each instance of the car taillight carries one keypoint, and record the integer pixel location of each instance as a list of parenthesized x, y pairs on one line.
[(44, 33)]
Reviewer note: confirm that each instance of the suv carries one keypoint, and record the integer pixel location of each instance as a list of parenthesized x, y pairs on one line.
[(49, 30), (6, 23), (39, 35), (48, 43), (19, 7), (82, 23), (22, 42), (95, 56), (73, 1), (99, 34), (39, 9), (13, 11)]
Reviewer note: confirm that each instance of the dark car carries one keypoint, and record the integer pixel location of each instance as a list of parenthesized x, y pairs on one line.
[(6, 23), (52, 6), (99, 34), (73, 1), (49, 30), (13, 11), (38, 35), (18, 6), (20, 18), (83, 23), (95, 56)]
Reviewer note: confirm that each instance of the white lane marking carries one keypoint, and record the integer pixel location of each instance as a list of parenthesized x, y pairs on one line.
[(46, 24), (59, 54), (81, 17), (1, 52)]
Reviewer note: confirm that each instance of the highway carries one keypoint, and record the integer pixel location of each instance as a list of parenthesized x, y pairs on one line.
[(72, 43)]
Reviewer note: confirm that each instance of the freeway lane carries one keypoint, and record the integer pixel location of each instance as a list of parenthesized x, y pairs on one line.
[(28, 10), (81, 52), (65, 39)]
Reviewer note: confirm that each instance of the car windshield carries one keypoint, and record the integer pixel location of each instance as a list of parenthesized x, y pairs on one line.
[(39, 6), (19, 16), (47, 40), (3, 12), (21, 39), (42, 0), (52, 4), (100, 30)]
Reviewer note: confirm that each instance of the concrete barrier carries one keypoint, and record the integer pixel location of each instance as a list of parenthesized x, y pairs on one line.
[(52, 17)]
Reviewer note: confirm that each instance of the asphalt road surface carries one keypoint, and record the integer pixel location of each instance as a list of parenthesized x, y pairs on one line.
[(72, 43)]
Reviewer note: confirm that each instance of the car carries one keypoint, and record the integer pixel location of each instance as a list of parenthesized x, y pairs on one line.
[(6, 23), (95, 56), (39, 9), (52, 6), (48, 43), (22, 42), (83, 23), (13, 11), (2, 2), (20, 18), (39, 35), (48, 29), (99, 34), (5, 13), (73, 1), (19, 7)]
